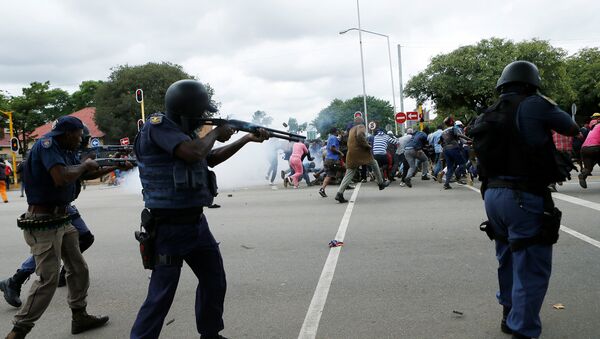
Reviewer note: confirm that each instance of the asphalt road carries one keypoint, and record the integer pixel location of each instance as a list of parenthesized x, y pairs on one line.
[(414, 265)]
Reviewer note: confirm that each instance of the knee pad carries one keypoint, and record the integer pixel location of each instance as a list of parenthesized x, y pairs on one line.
[(85, 241)]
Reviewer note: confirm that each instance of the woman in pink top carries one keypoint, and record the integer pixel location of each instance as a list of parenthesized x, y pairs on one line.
[(299, 151), (590, 154)]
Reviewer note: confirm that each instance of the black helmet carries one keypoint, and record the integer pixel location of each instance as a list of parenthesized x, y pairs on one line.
[(186, 101), (520, 71), (188, 98)]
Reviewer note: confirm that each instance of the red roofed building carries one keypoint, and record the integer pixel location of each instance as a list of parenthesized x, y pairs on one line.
[(86, 115)]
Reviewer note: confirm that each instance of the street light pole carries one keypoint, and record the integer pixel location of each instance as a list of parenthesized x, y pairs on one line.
[(391, 69), (400, 76), (362, 68)]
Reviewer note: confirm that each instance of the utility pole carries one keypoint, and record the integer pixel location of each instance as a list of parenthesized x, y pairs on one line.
[(400, 76)]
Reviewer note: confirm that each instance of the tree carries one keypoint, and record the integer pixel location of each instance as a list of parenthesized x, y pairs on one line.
[(116, 109), (295, 127), (340, 113), (463, 81), (38, 105), (261, 118), (84, 97), (583, 70)]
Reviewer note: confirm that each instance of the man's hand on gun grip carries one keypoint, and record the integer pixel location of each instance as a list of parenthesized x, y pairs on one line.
[(224, 132), (263, 135)]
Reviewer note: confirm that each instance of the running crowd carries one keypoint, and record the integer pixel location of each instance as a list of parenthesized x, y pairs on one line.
[(444, 155)]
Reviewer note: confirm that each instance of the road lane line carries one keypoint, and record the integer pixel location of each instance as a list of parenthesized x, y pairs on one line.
[(564, 228), (317, 304), (577, 201), (583, 237)]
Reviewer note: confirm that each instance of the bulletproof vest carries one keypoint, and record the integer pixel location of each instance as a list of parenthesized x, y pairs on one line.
[(503, 152), (171, 183)]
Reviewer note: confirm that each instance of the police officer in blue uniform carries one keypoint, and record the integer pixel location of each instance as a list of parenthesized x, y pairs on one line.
[(522, 217), (11, 287), (51, 174), (177, 184)]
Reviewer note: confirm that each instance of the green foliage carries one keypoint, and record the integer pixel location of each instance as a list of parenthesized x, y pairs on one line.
[(583, 71), (38, 105), (116, 109), (463, 81), (340, 113), (295, 127), (261, 118), (84, 97)]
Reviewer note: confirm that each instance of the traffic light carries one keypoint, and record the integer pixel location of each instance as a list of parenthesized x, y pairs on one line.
[(14, 145), (139, 95)]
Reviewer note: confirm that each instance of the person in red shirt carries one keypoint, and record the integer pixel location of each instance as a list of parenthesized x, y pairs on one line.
[(564, 145)]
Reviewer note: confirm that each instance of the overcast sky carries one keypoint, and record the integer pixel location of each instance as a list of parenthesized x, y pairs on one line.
[(283, 57)]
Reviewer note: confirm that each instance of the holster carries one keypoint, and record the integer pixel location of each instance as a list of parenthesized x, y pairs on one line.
[(146, 237)]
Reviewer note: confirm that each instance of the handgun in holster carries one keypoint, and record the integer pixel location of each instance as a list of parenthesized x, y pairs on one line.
[(146, 237)]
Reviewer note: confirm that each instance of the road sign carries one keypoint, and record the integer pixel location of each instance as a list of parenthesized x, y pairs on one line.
[(358, 114), (400, 117), (372, 125), (124, 141), (94, 142), (412, 115)]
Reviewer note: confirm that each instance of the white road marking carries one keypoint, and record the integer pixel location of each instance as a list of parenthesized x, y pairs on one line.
[(564, 228), (577, 201), (317, 304), (580, 236)]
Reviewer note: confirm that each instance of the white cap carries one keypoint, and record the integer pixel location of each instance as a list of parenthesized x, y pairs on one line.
[(457, 122)]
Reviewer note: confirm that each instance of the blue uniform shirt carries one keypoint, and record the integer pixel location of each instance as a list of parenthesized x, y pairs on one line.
[(536, 117), (162, 137), (39, 185), (333, 142)]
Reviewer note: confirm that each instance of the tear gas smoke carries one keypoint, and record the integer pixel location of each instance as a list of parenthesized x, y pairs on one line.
[(247, 168)]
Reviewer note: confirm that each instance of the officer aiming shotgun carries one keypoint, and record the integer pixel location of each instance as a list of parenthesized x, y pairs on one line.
[(252, 128)]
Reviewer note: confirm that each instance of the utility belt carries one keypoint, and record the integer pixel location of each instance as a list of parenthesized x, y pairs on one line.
[(146, 236), (525, 186), (42, 223), (548, 234)]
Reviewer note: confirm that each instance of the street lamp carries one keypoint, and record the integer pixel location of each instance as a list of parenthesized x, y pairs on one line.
[(391, 70), (14, 156)]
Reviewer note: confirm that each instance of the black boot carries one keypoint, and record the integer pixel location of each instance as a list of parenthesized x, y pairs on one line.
[(503, 327), (17, 333), (12, 288), (62, 280), (215, 336), (340, 197), (520, 336), (83, 322)]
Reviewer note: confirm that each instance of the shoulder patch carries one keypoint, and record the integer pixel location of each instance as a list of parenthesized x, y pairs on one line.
[(156, 119), (549, 100), (46, 142)]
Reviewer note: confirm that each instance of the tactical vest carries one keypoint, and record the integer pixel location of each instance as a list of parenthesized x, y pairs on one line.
[(503, 152), (171, 183)]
